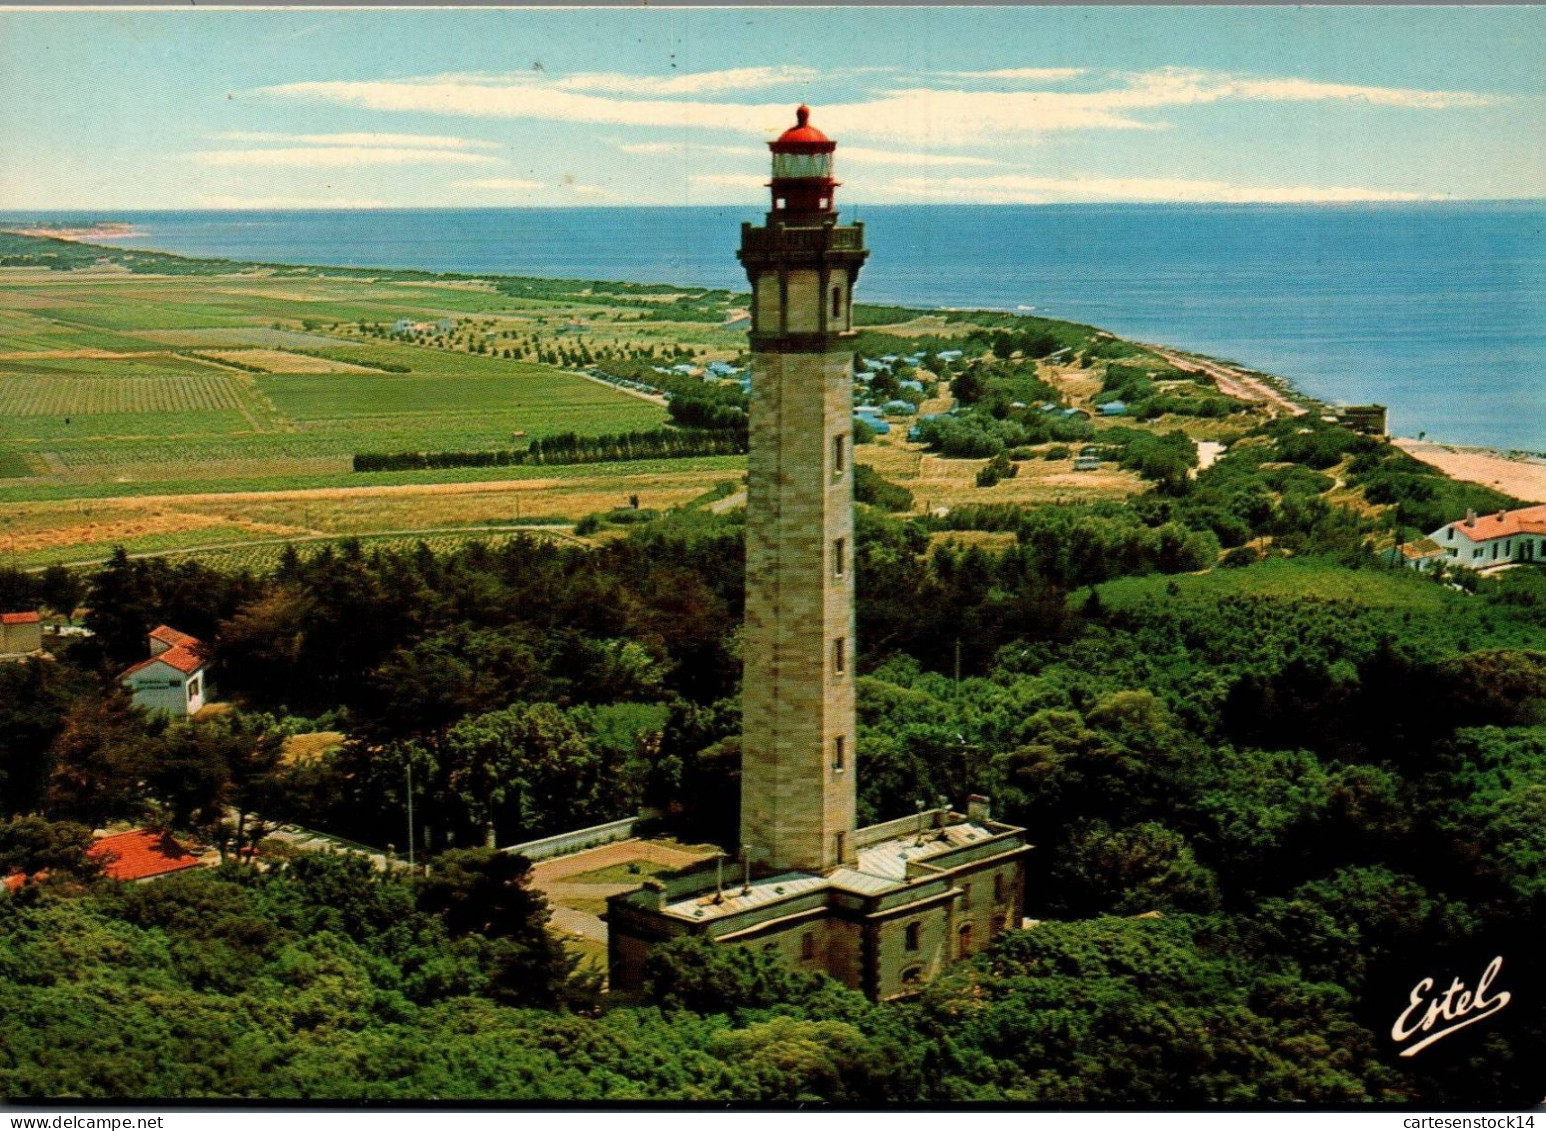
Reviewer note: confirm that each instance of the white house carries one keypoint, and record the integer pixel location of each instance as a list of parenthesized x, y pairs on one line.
[(1477, 542), (174, 680)]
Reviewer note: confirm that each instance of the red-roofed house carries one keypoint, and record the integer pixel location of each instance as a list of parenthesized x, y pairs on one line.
[(173, 680), (140, 855), (1479, 541), (20, 634)]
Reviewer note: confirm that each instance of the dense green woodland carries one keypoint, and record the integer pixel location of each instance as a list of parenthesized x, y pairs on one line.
[(1314, 769)]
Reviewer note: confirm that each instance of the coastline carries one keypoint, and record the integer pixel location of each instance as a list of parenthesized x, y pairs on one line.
[(109, 230), (1523, 477), (1520, 475)]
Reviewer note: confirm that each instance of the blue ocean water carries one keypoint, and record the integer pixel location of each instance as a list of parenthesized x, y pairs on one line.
[(1437, 310)]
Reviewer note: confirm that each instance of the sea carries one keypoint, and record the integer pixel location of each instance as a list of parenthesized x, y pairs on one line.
[(1437, 310)]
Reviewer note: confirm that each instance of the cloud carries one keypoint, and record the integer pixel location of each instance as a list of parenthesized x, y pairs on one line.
[(260, 203), (861, 155), (925, 116), (702, 82), (341, 157), (846, 155), (1025, 189), (504, 184), (1024, 74), (686, 147), (405, 141), (732, 180)]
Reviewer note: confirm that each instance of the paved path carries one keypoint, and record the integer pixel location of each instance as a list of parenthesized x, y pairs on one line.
[(729, 502), (580, 923), (548, 876)]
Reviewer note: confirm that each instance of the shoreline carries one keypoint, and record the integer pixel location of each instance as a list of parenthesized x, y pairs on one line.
[(1486, 465), (1522, 476), (111, 230)]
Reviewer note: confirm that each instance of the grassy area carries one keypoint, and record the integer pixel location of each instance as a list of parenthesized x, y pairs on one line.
[(1291, 578), (635, 871)]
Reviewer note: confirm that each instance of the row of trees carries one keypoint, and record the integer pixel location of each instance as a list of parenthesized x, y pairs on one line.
[(572, 448)]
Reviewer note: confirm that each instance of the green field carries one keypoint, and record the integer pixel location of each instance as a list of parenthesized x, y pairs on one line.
[(1312, 579), (93, 389)]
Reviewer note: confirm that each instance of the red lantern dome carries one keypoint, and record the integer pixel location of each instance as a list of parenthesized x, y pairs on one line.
[(800, 137), (802, 167)]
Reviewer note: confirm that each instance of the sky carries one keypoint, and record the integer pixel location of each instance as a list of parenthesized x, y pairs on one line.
[(210, 108)]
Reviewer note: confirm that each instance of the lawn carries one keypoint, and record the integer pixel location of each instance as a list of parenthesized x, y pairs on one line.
[(635, 871)]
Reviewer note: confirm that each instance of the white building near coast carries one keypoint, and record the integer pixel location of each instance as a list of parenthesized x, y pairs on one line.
[(1479, 542)]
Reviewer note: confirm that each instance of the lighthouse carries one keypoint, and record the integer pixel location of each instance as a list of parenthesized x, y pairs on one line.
[(882, 909), (797, 779)]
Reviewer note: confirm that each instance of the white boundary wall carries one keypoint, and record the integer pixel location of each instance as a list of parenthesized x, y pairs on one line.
[(562, 844)]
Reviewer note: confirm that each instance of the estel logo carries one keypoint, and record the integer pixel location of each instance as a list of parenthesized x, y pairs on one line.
[(1456, 1005)]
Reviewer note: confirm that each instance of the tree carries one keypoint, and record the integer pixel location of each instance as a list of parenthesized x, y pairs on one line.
[(100, 758), (1142, 868), (527, 763), (489, 894), (34, 844), (706, 977), (62, 590)]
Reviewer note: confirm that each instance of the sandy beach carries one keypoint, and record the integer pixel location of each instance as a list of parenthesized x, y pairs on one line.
[(106, 231), (1522, 478)]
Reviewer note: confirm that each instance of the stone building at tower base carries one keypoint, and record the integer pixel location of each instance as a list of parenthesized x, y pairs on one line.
[(924, 892)]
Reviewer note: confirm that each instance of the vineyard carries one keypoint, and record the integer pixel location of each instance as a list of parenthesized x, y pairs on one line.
[(265, 557), (92, 396), (176, 389)]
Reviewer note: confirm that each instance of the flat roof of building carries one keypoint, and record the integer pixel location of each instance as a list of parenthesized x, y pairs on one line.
[(881, 867)]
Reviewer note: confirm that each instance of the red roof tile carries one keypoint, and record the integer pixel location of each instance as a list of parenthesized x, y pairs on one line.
[(185, 660), (18, 618), (140, 854), (170, 636), (1505, 524)]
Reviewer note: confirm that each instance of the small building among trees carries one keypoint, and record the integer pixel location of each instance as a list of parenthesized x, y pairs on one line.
[(21, 634), (173, 680)]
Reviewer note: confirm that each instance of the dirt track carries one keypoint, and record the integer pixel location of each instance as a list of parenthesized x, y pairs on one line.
[(1233, 382)]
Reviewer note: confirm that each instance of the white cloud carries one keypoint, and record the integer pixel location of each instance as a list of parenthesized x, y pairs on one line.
[(922, 116), (259, 203), (1024, 74), (503, 184), (731, 180), (1025, 189), (405, 141), (860, 155), (686, 147), (341, 157), (702, 82), (846, 155)]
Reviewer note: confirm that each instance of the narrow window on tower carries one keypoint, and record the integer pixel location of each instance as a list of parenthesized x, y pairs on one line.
[(808, 946), (912, 936), (838, 844), (998, 887), (840, 655), (839, 453), (838, 757), (839, 566), (837, 302)]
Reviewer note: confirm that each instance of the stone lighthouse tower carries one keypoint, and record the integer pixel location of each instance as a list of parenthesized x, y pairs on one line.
[(797, 775)]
